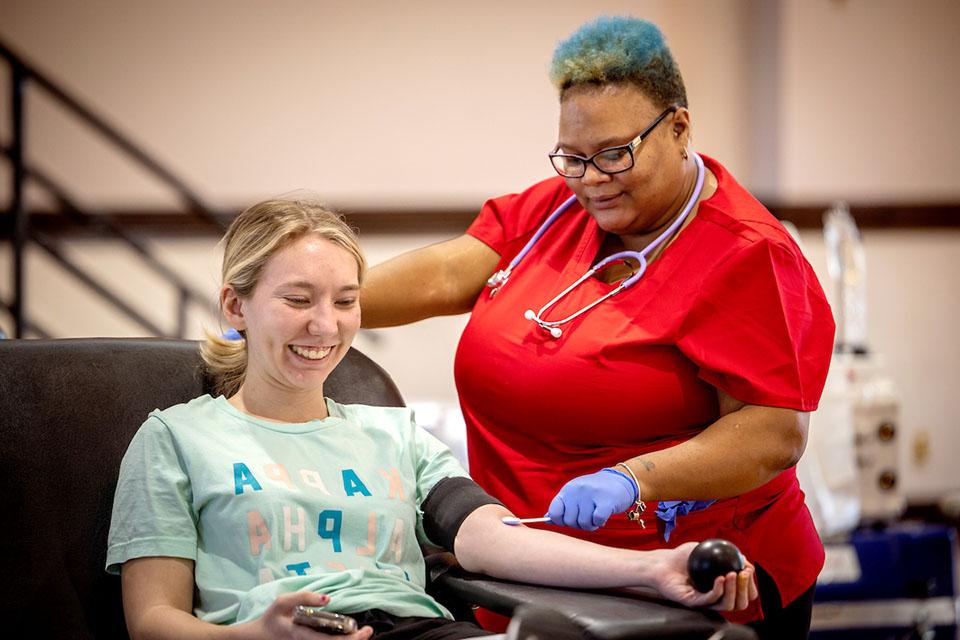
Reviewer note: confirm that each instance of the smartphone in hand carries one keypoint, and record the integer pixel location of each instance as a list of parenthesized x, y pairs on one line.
[(316, 617)]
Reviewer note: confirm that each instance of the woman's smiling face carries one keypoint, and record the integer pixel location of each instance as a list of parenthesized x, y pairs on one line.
[(302, 316)]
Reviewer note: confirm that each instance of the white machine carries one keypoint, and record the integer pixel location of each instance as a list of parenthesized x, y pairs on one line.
[(850, 470)]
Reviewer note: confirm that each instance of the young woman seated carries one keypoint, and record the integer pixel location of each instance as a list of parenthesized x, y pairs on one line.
[(232, 510)]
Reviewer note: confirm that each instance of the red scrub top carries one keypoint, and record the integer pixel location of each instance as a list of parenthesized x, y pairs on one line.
[(730, 304)]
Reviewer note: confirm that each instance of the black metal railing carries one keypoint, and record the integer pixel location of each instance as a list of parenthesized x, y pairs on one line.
[(20, 233)]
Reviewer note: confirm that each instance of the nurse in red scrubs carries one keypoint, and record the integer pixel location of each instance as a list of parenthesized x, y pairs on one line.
[(692, 384)]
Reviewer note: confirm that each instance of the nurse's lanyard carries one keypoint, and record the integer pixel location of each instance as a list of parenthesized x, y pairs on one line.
[(499, 279)]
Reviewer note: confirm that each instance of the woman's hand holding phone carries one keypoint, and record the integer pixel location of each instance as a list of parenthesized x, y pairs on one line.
[(329, 623), (300, 615)]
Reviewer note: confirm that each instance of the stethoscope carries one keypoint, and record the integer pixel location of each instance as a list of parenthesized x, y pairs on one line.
[(499, 279)]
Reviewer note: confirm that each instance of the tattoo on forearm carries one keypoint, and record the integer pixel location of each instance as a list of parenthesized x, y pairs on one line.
[(649, 466)]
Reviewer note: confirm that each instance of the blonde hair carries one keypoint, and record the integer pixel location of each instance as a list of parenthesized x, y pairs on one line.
[(251, 240)]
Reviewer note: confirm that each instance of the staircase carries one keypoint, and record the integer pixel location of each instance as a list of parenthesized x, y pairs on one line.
[(51, 234)]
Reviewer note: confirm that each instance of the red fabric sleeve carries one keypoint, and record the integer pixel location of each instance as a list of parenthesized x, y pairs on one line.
[(762, 330), (488, 227), (504, 219)]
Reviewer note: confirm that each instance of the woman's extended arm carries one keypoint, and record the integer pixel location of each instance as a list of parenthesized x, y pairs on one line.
[(440, 280), (747, 447), (485, 545), (158, 604)]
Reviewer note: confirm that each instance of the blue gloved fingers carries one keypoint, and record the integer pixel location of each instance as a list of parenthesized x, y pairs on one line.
[(568, 509), (564, 510), (587, 502), (571, 513), (602, 512), (585, 511), (556, 510)]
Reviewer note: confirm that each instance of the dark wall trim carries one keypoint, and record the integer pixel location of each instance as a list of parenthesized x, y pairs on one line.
[(877, 216), (162, 222)]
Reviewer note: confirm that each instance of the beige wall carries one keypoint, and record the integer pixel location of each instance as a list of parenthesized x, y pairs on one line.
[(802, 99), (432, 104), (249, 97), (867, 99)]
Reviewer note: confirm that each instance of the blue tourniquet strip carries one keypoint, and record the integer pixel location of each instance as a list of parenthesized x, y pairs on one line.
[(668, 510)]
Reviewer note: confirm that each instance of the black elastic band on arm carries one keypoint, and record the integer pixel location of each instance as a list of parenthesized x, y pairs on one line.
[(448, 504)]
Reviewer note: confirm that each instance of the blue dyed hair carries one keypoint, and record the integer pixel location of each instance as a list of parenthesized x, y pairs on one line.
[(617, 49)]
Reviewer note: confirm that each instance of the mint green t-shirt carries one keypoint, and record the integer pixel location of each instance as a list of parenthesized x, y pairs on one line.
[(266, 508)]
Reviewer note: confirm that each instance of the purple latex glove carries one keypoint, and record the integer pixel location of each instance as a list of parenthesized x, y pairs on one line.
[(668, 510), (588, 502)]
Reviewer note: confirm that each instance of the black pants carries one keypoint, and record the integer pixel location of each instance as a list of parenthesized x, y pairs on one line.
[(791, 622), (390, 627)]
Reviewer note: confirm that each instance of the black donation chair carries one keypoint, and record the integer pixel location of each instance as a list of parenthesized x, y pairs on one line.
[(68, 409)]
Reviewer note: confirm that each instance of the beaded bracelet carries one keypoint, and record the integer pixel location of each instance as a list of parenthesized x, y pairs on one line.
[(635, 513)]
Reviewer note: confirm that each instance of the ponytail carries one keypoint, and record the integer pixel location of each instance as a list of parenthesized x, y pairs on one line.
[(226, 362)]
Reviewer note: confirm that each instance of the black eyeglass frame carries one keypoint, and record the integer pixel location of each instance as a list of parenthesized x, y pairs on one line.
[(630, 148)]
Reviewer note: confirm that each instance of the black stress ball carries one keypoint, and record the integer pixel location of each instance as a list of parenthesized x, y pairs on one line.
[(712, 558)]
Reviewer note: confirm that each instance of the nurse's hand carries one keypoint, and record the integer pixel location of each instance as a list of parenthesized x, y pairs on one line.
[(588, 502)]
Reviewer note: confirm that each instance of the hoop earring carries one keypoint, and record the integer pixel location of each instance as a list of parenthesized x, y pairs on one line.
[(683, 153)]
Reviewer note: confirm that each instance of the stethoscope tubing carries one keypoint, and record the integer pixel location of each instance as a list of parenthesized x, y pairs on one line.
[(499, 279)]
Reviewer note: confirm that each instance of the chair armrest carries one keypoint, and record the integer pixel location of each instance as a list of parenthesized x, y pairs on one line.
[(619, 614)]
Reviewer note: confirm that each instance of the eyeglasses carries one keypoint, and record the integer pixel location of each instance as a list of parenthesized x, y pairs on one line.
[(610, 160)]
